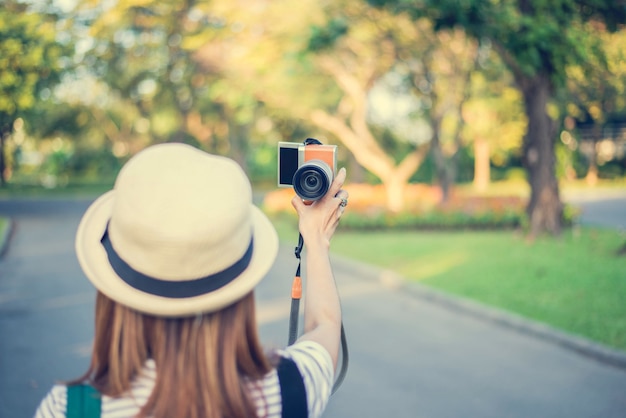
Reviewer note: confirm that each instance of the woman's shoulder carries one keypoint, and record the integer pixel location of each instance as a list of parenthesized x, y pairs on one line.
[(316, 368), (308, 351), (54, 404)]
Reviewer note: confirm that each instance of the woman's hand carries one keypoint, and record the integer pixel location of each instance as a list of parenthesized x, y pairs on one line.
[(319, 220)]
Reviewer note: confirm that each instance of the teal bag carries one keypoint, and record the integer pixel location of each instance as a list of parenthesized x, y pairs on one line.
[(83, 401)]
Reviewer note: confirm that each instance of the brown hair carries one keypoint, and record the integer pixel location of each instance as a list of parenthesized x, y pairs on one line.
[(202, 362)]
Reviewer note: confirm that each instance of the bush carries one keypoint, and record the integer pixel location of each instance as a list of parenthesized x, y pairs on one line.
[(461, 212), (433, 220)]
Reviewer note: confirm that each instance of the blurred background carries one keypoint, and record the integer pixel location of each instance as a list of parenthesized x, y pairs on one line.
[(489, 118), (435, 94), (485, 143)]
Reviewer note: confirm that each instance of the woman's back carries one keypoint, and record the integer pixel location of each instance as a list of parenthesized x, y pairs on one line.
[(175, 251), (312, 362)]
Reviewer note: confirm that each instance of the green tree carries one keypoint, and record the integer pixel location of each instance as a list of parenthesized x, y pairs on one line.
[(364, 76), (387, 89), (443, 79), (536, 39), (357, 60), (29, 62), (308, 68), (136, 49), (595, 90), (172, 61), (494, 120)]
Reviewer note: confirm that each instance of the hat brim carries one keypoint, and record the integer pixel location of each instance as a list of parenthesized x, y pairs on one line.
[(94, 261)]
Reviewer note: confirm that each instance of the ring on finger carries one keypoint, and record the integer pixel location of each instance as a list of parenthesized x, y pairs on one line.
[(344, 202)]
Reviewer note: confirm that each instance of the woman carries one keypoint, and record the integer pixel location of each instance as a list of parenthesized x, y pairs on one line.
[(175, 251)]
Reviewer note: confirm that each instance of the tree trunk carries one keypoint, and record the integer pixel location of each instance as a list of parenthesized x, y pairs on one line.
[(371, 156), (356, 170), (441, 169), (592, 173), (3, 180), (544, 209), (445, 169), (395, 185), (482, 169)]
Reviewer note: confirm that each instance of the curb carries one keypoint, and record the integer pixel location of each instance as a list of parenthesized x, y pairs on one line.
[(5, 237), (580, 345)]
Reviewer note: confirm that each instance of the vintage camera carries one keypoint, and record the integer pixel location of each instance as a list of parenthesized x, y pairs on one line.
[(309, 167)]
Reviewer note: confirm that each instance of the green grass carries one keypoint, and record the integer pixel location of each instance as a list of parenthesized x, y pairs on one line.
[(576, 282)]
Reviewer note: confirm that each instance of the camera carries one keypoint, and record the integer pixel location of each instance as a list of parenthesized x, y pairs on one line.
[(309, 167)]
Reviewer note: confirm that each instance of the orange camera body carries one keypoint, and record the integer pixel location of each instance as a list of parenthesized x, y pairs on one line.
[(309, 167)]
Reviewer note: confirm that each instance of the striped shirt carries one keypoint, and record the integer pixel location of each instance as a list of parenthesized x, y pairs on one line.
[(313, 361)]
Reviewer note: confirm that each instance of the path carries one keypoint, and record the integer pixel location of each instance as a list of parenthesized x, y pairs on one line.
[(410, 357)]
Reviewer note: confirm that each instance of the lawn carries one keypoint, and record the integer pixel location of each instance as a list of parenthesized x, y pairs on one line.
[(576, 282)]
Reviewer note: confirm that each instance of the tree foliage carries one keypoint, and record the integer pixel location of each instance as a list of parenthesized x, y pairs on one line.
[(595, 95), (29, 62), (385, 87), (390, 84), (533, 35), (537, 39), (29, 59)]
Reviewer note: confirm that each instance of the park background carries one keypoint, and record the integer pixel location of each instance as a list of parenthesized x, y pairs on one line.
[(463, 124)]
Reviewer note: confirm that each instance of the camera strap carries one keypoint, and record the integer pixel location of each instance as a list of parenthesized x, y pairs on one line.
[(296, 295)]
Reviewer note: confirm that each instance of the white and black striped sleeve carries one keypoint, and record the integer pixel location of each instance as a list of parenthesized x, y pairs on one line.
[(316, 367), (54, 404)]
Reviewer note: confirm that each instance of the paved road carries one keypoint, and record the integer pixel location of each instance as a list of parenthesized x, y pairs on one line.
[(409, 357), (606, 209)]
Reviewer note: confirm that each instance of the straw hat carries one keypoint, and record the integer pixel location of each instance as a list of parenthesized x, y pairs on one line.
[(178, 234)]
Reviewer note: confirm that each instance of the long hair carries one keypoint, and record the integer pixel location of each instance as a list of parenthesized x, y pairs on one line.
[(202, 362)]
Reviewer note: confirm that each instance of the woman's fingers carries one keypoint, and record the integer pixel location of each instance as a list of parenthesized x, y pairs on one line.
[(297, 203), (342, 198), (333, 192), (322, 216), (337, 183)]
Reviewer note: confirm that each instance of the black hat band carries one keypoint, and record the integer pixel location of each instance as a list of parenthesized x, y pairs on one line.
[(174, 289)]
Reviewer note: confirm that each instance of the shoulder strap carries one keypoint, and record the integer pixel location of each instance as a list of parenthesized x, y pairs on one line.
[(83, 401), (292, 391)]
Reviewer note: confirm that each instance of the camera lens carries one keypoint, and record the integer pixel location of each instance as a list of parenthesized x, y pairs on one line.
[(312, 180)]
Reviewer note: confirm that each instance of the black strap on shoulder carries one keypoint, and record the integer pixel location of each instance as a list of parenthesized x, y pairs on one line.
[(83, 401), (292, 391)]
